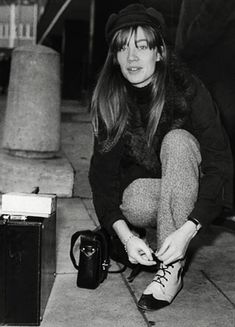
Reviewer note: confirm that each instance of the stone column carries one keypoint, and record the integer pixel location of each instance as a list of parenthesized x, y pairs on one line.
[(32, 121)]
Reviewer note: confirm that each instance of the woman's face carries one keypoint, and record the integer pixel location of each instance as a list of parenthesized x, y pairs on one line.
[(137, 61)]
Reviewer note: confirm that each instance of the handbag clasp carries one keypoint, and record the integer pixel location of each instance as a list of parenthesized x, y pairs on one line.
[(88, 250)]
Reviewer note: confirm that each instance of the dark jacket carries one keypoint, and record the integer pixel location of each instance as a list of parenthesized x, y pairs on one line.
[(203, 29), (205, 41), (112, 171)]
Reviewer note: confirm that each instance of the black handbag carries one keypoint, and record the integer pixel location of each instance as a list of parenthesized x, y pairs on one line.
[(96, 248), (94, 258)]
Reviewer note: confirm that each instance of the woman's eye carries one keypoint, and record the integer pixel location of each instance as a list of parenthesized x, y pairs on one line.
[(142, 47)]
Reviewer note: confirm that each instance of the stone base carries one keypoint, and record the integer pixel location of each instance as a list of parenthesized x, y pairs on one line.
[(23, 175)]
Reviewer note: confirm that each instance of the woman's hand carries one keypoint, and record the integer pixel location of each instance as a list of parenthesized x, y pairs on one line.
[(176, 244), (139, 252)]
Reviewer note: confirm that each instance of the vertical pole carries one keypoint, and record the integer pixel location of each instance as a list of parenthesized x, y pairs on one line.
[(27, 31), (35, 19), (12, 26), (20, 31), (1, 31), (6, 29), (91, 37)]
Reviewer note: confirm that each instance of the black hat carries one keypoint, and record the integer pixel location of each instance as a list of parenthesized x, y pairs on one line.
[(134, 14)]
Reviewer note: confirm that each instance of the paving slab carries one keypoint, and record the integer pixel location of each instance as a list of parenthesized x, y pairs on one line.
[(110, 305), (77, 144), (91, 211), (216, 261)]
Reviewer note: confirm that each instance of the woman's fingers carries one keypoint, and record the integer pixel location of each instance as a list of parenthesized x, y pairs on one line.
[(169, 253), (147, 253), (145, 261), (142, 258), (139, 252)]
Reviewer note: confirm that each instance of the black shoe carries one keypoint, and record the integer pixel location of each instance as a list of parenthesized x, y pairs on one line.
[(148, 302), (165, 286)]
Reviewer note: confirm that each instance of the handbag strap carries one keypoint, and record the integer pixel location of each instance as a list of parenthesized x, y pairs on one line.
[(74, 238), (118, 271)]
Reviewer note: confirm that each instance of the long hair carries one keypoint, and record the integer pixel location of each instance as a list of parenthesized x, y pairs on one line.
[(109, 103)]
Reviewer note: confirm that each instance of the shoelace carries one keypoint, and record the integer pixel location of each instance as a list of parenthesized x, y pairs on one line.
[(158, 278)]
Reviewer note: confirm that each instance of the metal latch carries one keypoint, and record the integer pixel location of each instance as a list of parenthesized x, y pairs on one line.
[(14, 217)]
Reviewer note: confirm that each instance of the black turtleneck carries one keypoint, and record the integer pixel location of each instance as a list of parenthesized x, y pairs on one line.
[(140, 100), (141, 95)]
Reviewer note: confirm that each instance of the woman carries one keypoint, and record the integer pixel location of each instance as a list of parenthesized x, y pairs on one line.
[(161, 157)]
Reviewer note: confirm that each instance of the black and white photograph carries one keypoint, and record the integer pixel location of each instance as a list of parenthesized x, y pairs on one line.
[(117, 163)]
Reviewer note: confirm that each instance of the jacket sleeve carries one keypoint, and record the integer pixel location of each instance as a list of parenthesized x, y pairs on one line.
[(104, 178), (216, 165)]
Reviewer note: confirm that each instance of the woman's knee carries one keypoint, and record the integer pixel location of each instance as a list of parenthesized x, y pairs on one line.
[(139, 216), (180, 142), (139, 204), (179, 136)]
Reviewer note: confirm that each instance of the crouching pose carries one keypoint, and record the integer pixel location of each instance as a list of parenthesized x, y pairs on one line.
[(161, 158)]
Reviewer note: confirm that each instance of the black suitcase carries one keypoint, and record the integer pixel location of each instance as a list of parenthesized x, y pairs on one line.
[(27, 268)]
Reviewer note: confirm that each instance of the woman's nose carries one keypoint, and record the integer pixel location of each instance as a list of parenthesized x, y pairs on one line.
[(132, 54)]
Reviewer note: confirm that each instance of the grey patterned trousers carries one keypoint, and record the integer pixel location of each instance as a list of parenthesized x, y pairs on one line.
[(163, 205)]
